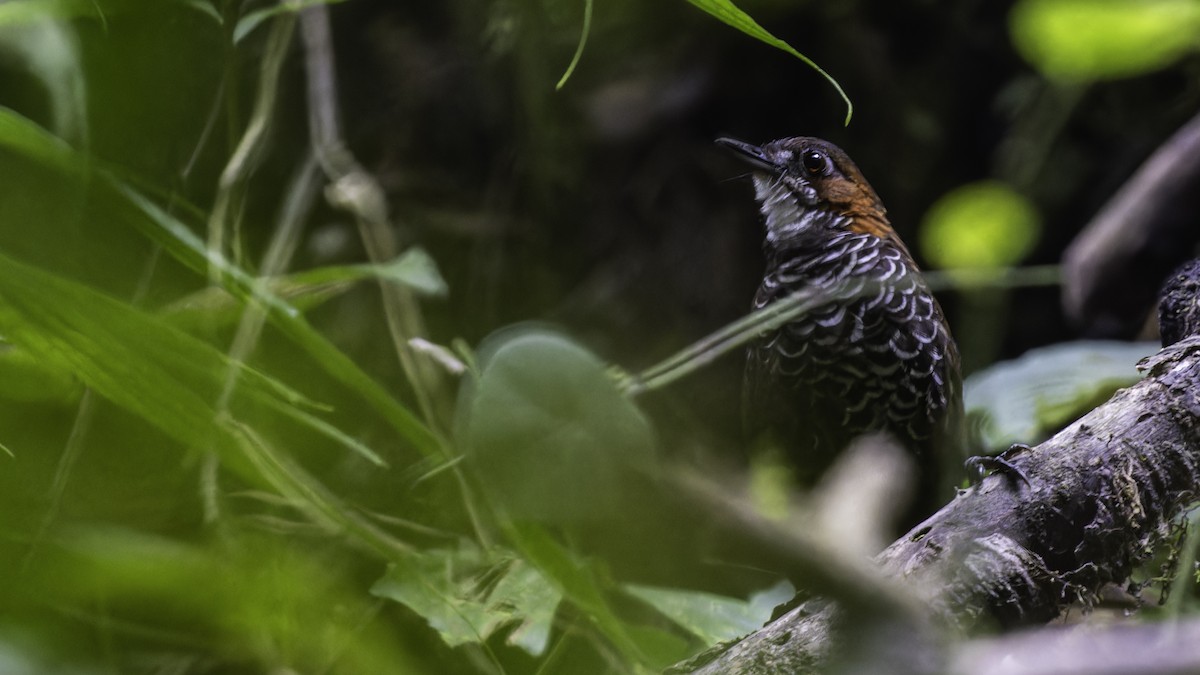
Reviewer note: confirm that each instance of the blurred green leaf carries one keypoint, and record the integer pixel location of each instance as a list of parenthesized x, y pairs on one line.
[(24, 378), (414, 268), (50, 52), (280, 607), (1099, 39), (252, 20), (18, 12), (163, 375), (715, 618), (27, 138), (548, 432), (211, 306), (580, 582), (553, 440), (32, 11), (21, 135), (728, 13), (980, 225), (468, 596), (1027, 398)]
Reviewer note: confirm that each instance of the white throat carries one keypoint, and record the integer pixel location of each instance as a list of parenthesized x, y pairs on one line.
[(786, 214)]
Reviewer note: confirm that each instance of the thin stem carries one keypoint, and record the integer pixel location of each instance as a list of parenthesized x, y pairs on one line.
[(227, 206), (705, 351), (730, 337), (583, 38)]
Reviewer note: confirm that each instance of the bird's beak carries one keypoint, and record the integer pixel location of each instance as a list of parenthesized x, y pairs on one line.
[(751, 153)]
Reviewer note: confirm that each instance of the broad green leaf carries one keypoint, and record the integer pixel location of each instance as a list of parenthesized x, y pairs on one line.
[(715, 618), (1085, 40), (553, 440), (1025, 399), (548, 432), (984, 225), (467, 596), (727, 12)]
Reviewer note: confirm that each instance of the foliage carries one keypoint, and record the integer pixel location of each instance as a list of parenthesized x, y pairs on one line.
[(1091, 40), (982, 225), (727, 12)]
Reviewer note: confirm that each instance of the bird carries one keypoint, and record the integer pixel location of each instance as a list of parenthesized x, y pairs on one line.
[(875, 354)]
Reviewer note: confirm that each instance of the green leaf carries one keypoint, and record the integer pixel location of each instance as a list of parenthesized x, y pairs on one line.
[(24, 12), (1026, 399), (254, 601), (551, 437), (182, 243), (25, 378), (727, 12), (1102, 39), (583, 36), (23, 136), (984, 225), (415, 269), (580, 583), (163, 375), (31, 11), (715, 618), (467, 596), (252, 20), (49, 51), (213, 305)]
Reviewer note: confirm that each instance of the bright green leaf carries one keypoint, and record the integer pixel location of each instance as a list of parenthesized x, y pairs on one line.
[(467, 596), (728, 13), (580, 582), (980, 225), (1099, 39), (583, 36), (715, 618)]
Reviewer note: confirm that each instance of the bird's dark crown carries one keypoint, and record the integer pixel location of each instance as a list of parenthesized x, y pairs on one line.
[(795, 175)]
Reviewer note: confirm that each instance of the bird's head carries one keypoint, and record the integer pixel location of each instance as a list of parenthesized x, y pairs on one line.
[(806, 184)]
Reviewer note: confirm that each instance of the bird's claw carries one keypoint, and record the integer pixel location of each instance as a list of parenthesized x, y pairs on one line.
[(981, 465)]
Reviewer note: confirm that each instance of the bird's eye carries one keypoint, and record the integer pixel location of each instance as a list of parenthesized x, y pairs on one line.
[(814, 162)]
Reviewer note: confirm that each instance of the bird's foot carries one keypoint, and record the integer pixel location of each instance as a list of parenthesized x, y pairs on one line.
[(981, 465)]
